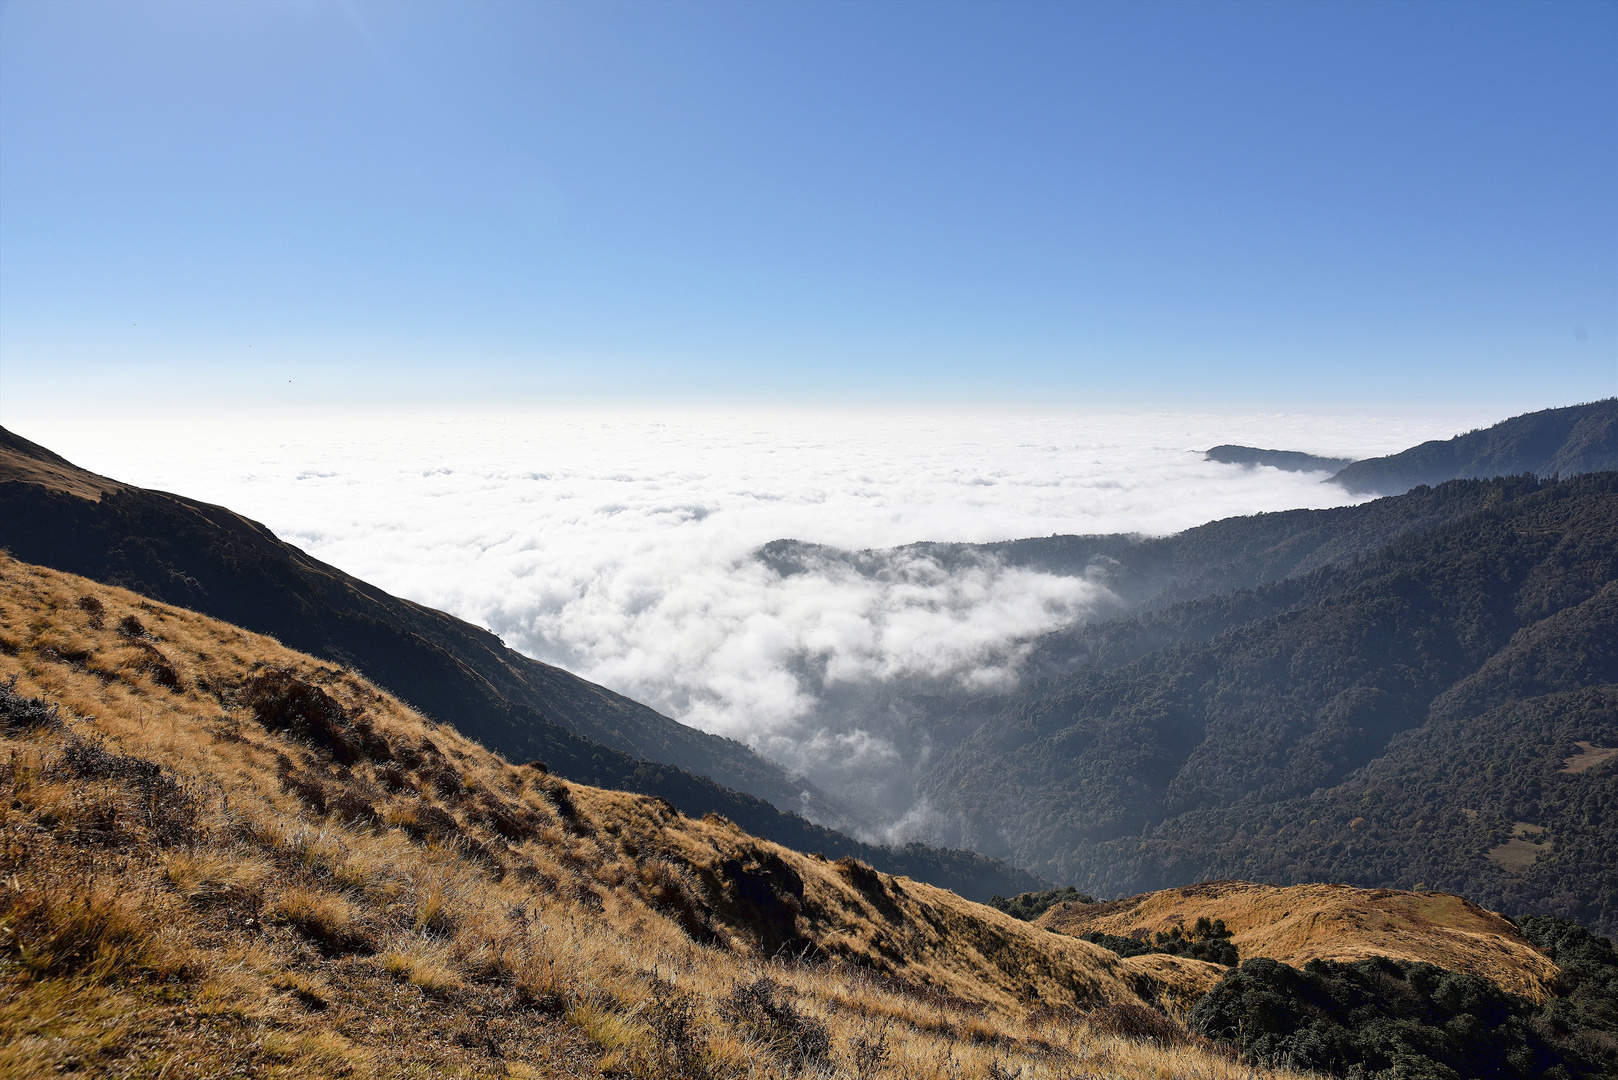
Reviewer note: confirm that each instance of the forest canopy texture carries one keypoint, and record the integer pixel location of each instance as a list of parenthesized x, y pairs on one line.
[(1431, 715), (1381, 1017)]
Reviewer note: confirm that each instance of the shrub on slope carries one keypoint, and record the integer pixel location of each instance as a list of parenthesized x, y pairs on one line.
[(1380, 1017)]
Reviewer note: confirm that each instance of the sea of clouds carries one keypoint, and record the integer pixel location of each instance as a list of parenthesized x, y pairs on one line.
[(623, 546)]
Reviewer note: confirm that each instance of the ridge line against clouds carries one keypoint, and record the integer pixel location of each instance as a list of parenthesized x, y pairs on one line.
[(622, 547)]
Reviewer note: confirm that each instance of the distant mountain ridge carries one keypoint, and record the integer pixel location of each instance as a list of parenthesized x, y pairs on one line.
[(1566, 442), (1146, 573), (1286, 460), (212, 560)]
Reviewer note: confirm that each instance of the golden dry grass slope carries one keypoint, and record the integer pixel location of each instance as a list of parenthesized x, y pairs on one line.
[(1300, 923), (221, 857), (29, 463)]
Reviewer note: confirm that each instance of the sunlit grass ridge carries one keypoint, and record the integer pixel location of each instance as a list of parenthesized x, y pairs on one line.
[(223, 856)]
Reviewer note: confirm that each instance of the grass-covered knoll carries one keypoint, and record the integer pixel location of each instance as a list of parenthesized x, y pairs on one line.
[(218, 857), (1300, 923)]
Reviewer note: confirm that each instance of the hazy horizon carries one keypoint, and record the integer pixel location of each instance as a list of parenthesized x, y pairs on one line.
[(620, 545)]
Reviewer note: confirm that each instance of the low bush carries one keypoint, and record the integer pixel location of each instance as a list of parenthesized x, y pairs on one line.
[(166, 809), (19, 714), (282, 701), (1128, 1020)]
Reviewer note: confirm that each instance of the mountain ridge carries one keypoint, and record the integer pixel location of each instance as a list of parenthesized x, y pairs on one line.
[(1285, 460), (1567, 442), (207, 557)]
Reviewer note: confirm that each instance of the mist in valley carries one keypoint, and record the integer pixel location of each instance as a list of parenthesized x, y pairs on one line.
[(647, 553)]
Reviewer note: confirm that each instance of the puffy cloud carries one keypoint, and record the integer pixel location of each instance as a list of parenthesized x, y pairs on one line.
[(624, 547)]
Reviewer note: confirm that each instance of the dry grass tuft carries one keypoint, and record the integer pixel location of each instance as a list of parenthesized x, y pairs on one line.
[(326, 919), (426, 964), (91, 929)]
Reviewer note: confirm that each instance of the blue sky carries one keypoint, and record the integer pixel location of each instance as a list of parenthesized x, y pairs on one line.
[(1092, 206)]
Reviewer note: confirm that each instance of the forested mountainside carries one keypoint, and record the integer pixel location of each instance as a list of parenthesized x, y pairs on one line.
[(1566, 442), (212, 560), (1243, 552), (1147, 573), (1385, 721)]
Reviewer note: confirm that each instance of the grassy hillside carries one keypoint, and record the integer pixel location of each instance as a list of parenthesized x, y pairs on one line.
[(222, 857), (1301, 923), (212, 560)]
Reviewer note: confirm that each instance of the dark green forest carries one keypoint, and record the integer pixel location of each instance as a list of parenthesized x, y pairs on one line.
[(1207, 940), (1029, 906), (1381, 1017), (1387, 721)]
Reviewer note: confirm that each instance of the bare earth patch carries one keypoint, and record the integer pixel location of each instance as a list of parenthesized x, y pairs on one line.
[(1518, 854), (1589, 756)]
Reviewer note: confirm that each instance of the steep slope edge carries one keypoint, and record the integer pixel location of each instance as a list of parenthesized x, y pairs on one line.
[(210, 559), (214, 561), (225, 857)]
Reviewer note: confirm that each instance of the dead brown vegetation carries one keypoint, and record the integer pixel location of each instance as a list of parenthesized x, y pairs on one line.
[(1299, 923), (240, 860)]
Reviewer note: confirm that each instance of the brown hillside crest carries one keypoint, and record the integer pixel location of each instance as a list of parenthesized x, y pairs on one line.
[(1299, 923)]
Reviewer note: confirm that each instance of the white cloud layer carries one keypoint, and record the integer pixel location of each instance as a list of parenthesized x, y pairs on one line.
[(621, 546)]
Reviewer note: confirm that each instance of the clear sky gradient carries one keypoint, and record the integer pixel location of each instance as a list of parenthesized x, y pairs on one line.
[(1297, 206)]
